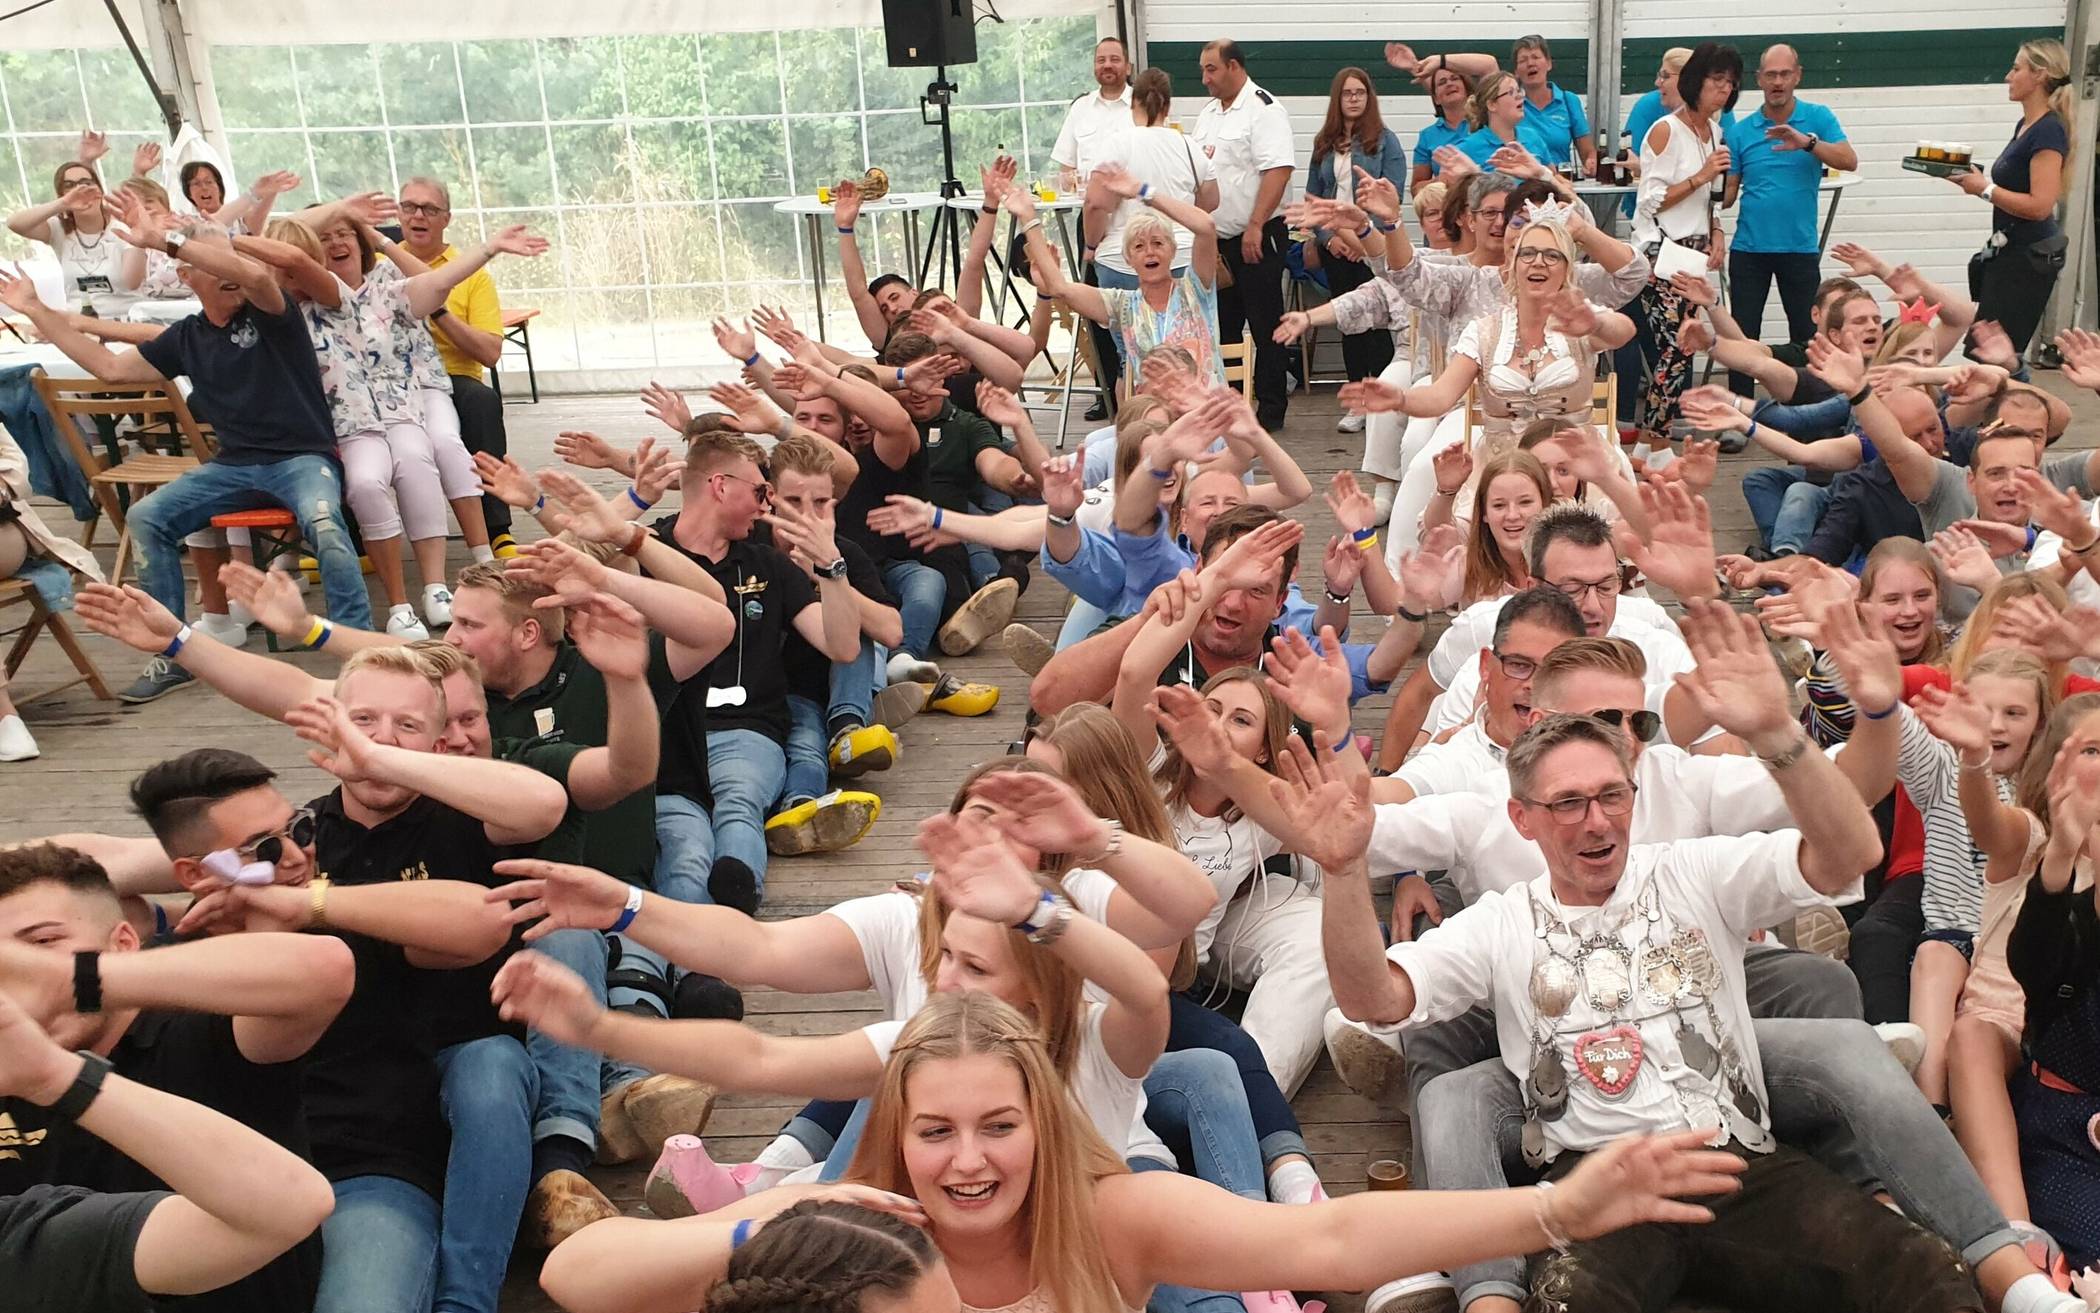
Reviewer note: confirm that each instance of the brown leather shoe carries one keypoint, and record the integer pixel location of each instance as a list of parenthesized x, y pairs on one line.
[(560, 1205), (661, 1106)]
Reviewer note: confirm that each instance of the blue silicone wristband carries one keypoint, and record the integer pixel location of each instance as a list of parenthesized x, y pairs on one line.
[(739, 1233), (751, 361), (637, 500), (627, 913), (1026, 926), (1883, 714), (1364, 534)]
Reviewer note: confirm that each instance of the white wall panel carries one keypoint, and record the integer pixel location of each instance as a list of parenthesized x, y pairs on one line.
[(1350, 20), (1671, 17)]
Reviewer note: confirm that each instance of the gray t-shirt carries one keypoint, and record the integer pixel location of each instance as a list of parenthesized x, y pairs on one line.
[(1951, 501)]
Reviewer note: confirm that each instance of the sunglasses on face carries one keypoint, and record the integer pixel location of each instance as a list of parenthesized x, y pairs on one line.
[(759, 487), (1615, 801), (1645, 723), (299, 829)]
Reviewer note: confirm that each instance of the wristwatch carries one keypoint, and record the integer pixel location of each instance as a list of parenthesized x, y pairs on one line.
[(836, 570), (174, 241), (1813, 142)]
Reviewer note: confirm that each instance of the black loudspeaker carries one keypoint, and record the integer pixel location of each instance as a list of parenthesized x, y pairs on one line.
[(927, 33)]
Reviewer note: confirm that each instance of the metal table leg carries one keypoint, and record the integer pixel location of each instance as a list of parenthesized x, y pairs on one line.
[(1829, 220), (911, 239), (816, 270)]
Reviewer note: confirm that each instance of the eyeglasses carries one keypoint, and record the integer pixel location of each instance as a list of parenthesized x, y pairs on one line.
[(1614, 801), (417, 208), (1493, 218), (1516, 667), (759, 487), (1573, 589), (1645, 723), (1541, 255), (270, 848)]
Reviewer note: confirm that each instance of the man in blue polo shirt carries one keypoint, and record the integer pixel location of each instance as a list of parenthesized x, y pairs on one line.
[(1777, 157)]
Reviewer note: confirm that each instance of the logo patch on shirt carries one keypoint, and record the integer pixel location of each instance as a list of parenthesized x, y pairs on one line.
[(13, 1140), (244, 335), (933, 436), (543, 720)]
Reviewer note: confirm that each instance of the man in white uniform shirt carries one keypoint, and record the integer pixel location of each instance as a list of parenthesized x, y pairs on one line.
[(1096, 118), (1246, 132), (1618, 988)]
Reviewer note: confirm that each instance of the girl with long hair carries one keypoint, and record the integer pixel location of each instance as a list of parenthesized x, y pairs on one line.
[(1512, 490), (1353, 137), (834, 1255), (1034, 1214)]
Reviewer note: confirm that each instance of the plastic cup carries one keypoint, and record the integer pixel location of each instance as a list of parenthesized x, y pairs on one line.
[(824, 195), (1386, 1174)]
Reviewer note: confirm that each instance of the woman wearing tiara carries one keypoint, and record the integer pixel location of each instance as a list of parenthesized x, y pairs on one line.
[(1535, 358)]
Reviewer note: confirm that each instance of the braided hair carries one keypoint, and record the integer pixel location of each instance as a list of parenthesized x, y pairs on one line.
[(822, 1256)]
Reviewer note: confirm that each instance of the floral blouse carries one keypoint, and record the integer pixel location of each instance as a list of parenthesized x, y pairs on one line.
[(426, 369), (341, 348), (1190, 320)]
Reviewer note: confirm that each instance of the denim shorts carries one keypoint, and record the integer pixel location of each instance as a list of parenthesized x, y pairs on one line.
[(1964, 940)]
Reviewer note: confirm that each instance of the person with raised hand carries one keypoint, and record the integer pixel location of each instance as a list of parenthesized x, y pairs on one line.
[(99, 275), (229, 1201)]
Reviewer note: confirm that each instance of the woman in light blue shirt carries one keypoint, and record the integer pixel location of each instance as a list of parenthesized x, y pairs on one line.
[(1450, 91), (1498, 107)]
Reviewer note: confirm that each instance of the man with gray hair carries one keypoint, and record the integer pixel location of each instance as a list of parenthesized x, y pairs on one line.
[(468, 330)]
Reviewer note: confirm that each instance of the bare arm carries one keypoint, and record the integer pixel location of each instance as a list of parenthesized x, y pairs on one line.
[(306, 273), (516, 804), (97, 359), (1083, 672), (35, 221)]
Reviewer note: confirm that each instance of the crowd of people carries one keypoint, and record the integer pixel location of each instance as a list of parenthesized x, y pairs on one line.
[(343, 1054)]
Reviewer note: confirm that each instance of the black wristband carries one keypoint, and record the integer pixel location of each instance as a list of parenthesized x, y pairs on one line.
[(84, 1089), (1859, 398), (87, 983), (1412, 617)]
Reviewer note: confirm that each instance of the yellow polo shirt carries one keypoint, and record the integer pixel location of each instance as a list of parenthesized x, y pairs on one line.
[(475, 301)]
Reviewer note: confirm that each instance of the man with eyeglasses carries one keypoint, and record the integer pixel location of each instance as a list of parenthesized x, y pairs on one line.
[(468, 330), (219, 1022), (1689, 1043)]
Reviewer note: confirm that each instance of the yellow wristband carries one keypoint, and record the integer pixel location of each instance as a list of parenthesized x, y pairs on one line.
[(315, 634), (1366, 544), (318, 901)]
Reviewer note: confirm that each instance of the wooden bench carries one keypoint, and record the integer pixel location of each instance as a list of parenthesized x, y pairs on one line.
[(517, 329)]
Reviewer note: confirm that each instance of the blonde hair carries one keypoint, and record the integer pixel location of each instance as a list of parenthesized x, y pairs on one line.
[(2008, 663), (395, 661), (1969, 649), (1611, 656), (710, 451), (1487, 574), (1674, 58), (147, 189), (801, 454), (518, 594), (445, 660), (1484, 93), (1066, 1261), (2032, 787), (1146, 223), (294, 233), (2048, 57), (1430, 194), (1174, 775), (1908, 551), (1562, 242)]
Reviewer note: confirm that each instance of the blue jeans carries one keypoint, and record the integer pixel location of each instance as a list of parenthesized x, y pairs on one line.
[(489, 1092), (840, 1155), (1082, 620), (746, 771), (310, 487), (854, 683), (1192, 1026), (573, 1080), (1194, 1100), (379, 1249), (808, 751), (1180, 1299), (1784, 505), (920, 591)]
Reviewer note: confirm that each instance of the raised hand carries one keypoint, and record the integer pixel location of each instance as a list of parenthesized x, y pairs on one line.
[(1844, 371), (1735, 684), (2073, 809), (1588, 458), (1694, 289), (128, 614), (18, 292), (145, 159), (1695, 335), (2080, 348), (1956, 716), (590, 517), (1373, 396), (340, 748), (845, 203), (274, 184), (1570, 313), (1989, 343), (2034, 624), (1325, 802), (975, 871), (558, 896), (930, 374), (903, 514), (535, 991), (1253, 559), (1020, 203), (1352, 507), (1860, 262), (1045, 813), (1679, 552), (1194, 730), (656, 468), (507, 481), (1867, 663), (667, 408), (1423, 571), (1516, 161), (610, 634), (587, 451), (999, 176), (1292, 326), (517, 239), (2058, 510), (1453, 163), (751, 411), (809, 539), (2001, 540), (370, 208), (996, 404), (1315, 685), (1697, 466), (1400, 55), (557, 566), (1377, 197), (735, 339), (1173, 600), (269, 595), (1643, 1179), (141, 227), (1064, 486)]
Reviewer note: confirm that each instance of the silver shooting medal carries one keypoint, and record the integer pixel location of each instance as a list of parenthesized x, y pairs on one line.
[(1662, 975), (1699, 1055), (1607, 974), (1548, 1084), (1534, 1143), (1701, 971), (1552, 985)]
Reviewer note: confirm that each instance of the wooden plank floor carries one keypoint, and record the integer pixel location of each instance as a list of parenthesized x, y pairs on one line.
[(91, 750)]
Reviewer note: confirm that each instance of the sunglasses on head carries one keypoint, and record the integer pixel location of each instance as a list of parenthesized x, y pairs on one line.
[(1644, 723)]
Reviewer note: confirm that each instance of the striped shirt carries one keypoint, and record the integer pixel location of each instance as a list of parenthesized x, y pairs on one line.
[(1927, 768)]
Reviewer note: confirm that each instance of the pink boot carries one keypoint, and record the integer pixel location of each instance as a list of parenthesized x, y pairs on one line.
[(685, 1181)]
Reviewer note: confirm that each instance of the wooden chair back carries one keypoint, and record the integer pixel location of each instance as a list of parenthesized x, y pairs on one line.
[(1238, 358)]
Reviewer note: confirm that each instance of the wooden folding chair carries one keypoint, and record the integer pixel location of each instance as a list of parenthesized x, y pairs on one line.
[(72, 400), (20, 592), (1239, 366)]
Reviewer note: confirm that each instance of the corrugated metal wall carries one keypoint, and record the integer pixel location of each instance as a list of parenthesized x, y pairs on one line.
[(1892, 70)]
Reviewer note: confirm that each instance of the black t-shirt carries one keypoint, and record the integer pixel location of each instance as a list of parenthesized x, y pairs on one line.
[(195, 1057), (68, 1250), (259, 376), (2013, 170), (870, 490), (952, 441), (766, 591), (809, 671), (568, 708), (372, 1081), (1808, 389)]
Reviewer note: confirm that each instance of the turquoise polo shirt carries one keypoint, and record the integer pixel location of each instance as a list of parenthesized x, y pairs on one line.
[(1551, 133), (1436, 135), (1778, 199), (1481, 144)]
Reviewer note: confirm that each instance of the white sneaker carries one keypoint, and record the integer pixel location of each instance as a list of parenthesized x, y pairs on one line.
[(226, 629), (904, 668), (1350, 422), (1906, 1040), (402, 624), (239, 614), (15, 742), (1367, 1061), (1431, 1292), (437, 605)]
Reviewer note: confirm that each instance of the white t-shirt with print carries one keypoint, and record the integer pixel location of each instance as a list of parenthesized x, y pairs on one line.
[(1227, 852)]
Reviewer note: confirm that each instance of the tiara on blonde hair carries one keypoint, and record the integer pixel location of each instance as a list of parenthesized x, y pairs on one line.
[(1551, 213)]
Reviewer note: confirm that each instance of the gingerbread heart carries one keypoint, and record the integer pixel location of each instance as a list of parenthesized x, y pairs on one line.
[(1608, 1059)]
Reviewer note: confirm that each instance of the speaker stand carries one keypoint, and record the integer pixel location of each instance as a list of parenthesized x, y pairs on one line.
[(943, 257)]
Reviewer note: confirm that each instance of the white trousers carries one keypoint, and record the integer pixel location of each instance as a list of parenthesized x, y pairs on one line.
[(1268, 943)]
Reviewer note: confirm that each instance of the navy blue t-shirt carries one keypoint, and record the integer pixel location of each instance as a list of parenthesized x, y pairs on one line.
[(2011, 171), (256, 376)]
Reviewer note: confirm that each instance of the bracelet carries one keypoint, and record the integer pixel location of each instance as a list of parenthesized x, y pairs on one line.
[(988, 209), (1386, 227), (2085, 550), (1365, 231), (1339, 599), (1542, 1211), (632, 548), (739, 1233), (317, 901), (1031, 226), (318, 636), (84, 1089), (1028, 924), (634, 905), (751, 361), (540, 504), (1366, 544), (1054, 928), (936, 517), (639, 503), (1859, 398), (1115, 842), (1412, 617), (900, 376), (1344, 743), (174, 646), (1452, 493), (1144, 191), (87, 983), (1364, 534), (1882, 714), (1159, 474), (1793, 753), (1974, 765), (2033, 536), (844, 232), (1750, 432)]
